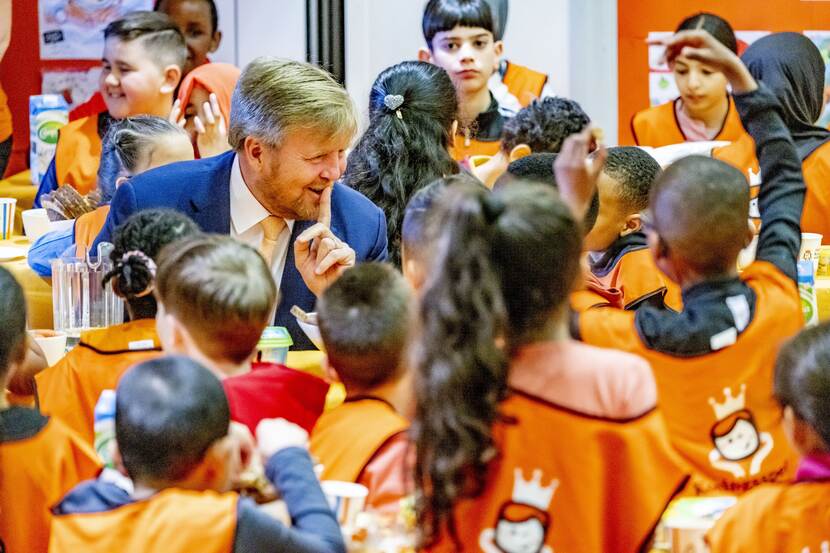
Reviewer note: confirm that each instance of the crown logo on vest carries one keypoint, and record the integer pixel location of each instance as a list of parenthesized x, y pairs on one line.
[(731, 404), (531, 492)]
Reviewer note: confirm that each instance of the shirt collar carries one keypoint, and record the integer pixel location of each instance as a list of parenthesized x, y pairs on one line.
[(246, 211)]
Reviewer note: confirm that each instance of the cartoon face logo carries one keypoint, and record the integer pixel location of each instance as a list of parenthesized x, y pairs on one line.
[(736, 437), (521, 529)]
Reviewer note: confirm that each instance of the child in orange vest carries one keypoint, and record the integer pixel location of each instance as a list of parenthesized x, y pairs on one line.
[(539, 128), (793, 69), (40, 458), (525, 439), (365, 317), (704, 110), (216, 295), (618, 254), (713, 361), (172, 429), (131, 146), (460, 39), (791, 517), (70, 389), (143, 58)]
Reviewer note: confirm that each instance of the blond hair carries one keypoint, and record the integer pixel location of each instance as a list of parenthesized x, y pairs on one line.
[(274, 95), (221, 290)]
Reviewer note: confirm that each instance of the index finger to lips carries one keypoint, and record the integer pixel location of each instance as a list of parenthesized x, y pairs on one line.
[(324, 214)]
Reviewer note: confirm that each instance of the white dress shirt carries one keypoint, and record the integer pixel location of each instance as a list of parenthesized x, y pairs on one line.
[(247, 213)]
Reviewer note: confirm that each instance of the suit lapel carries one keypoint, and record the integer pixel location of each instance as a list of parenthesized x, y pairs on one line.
[(209, 204)]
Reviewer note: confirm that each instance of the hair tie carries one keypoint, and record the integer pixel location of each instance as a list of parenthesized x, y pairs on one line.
[(149, 263), (492, 207), (393, 102)]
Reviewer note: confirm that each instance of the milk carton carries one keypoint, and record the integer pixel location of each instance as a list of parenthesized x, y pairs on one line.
[(47, 114)]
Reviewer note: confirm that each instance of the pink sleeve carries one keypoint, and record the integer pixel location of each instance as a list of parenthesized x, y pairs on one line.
[(638, 391), (385, 475)]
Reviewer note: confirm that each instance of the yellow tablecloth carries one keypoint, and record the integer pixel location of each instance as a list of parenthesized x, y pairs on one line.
[(312, 362), (21, 188), (38, 290)]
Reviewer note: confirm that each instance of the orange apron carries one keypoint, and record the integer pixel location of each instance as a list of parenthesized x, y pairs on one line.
[(346, 438), (35, 472), (87, 227), (816, 169), (524, 83), (172, 521), (720, 409), (78, 153), (563, 481), (70, 389), (637, 277), (657, 126), (467, 147), (777, 518)]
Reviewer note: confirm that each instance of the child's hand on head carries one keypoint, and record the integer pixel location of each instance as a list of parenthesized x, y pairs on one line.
[(274, 435), (701, 46), (576, 173)]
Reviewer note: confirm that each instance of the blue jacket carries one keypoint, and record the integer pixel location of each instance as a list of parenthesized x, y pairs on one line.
[(201, 190)]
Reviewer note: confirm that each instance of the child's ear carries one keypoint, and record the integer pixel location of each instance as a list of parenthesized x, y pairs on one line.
[(172, 76), (414, 274), (803, 437), (424, 55), (218, 469), (498, 48), (632, 223), (330, 372), (518, 152), (214, 41)]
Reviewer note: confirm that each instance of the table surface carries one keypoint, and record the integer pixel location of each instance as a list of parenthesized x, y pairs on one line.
[(38, 290)]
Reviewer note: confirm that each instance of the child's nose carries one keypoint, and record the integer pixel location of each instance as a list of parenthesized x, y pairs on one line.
[(111, 80)]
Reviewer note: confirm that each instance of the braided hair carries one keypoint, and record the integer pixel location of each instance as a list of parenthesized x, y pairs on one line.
[(138, 242)]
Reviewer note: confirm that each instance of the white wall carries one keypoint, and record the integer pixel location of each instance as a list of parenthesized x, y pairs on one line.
[(573, 41)]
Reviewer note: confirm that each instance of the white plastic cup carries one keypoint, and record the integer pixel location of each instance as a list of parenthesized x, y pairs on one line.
[(810, 248), (52, 342), (346, 499), (7, 209), (35, 223)]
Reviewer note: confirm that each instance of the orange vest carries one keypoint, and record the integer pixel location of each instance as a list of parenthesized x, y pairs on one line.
[(78, 153), (816, 168), (347, 437), (466, 147), (568, 482), (720, 409), (5, 118), (172, 521), (637, 277), (87, 227), (657, 126), (524, 83), (35, 472), (776, 518), (70, 389)]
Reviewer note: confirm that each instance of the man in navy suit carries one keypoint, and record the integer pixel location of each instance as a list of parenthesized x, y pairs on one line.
[(289, 126)]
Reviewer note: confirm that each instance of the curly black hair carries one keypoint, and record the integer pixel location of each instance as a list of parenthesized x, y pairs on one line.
[(544, 125), (635, 171), (398, 155), (146, 232)]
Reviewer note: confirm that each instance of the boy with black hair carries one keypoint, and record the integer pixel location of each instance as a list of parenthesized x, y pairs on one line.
[(364, 318), (713, 361), (198, 21), (618, 254), (539, 128), (460, 39), (142, 65), (172, 429), (40, 458)]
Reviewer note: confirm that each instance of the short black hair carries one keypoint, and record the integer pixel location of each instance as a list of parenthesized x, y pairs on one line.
[(161, 37), (364, 320), (168, 412), (13, 314), (700, 208), (539, 168), (544, 125), (715, 25), (214, 14), (444, 15), (635, 171), (802, 378), (414, 235)]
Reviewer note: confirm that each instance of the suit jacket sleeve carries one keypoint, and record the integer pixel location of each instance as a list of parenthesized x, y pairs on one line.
[(123, 205), (379, 251)]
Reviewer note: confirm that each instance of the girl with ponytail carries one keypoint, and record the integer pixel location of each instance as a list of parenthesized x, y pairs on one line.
[(70, 389), (412, 111), (526, 440), (792, 516)]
